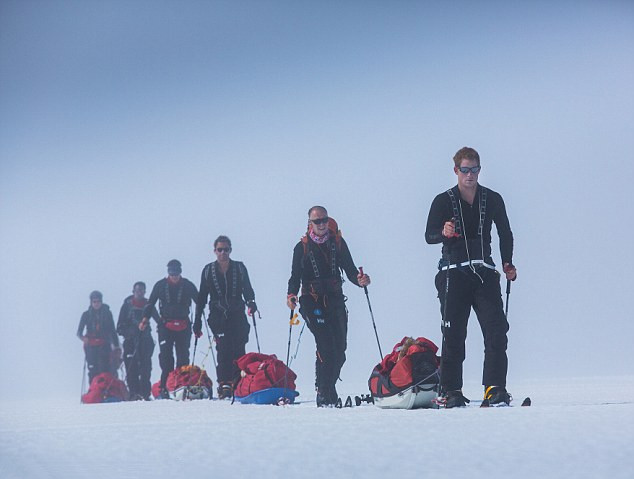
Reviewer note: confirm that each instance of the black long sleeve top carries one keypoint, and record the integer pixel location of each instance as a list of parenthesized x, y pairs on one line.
[(303, 271), (98, 323), (454, 250), (174, 299), (231, 290), (131, 314)]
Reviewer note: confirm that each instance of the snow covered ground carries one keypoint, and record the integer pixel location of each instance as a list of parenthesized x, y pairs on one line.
[(575, 429)]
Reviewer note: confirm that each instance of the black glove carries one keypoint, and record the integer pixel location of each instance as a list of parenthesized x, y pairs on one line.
[(198, 327), (252, 307)]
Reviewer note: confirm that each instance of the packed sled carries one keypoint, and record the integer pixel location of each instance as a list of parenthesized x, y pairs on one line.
[(264, 379), (186, 382), (105, 388), (408, 377)]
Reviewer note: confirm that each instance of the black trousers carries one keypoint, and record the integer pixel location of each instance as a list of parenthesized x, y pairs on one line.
[(97, 359), (137, 356), (466, 291), (231, 332), (168, 341), (328, 321)]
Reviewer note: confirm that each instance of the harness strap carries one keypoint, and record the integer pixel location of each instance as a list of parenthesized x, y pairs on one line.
[(456, 213), (466, 263), (179, 295)]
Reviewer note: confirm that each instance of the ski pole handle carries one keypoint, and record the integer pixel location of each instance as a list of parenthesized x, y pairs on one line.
[(365, 288)]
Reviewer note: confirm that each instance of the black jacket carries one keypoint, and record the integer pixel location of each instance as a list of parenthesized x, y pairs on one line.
[(316, 265), (174, 299), (98, 323), (454, 250), (228, 291), (131, 315)]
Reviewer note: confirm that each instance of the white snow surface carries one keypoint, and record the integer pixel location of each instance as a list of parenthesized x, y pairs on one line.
[(576, 428)]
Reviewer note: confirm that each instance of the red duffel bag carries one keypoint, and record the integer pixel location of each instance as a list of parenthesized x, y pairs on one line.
[(262, 371)]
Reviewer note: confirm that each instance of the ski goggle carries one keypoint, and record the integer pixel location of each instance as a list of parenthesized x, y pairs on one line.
[(320, 221), (465, 169)]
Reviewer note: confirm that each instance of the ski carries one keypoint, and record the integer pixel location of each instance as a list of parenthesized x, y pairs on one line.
[(358, 401)]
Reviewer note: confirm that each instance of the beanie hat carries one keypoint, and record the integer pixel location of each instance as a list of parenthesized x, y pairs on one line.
[(96, 295), (174, 267)]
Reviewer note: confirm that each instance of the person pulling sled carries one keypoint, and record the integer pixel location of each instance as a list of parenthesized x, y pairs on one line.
[(461, 219), (101, 343), (318, 260), (138, 346), (226, 283), (175, 295)]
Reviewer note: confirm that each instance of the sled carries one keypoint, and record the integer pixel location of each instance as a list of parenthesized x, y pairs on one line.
[(419, 396), (269, 396), (190, 392)]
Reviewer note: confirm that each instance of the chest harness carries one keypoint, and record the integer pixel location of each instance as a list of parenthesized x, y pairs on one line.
[(460, 230), (333, 260), (216, 283), (179, 294)]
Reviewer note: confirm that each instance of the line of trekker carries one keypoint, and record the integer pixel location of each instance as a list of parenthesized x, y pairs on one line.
[(460, 218)]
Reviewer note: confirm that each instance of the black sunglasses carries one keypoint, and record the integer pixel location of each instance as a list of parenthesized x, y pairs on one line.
[(320, 221), (465, 169), (223, 250)]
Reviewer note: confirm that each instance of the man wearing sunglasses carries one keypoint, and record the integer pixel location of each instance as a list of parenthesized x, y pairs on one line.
[(318, 260), (226, 283), (461, 219), (175, 295), (100, 336)]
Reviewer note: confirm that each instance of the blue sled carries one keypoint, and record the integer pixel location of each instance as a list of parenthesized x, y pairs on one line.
[(269, 396)]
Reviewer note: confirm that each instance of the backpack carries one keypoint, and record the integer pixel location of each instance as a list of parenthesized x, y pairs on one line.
[(412, 361), (105, 388), (262, 371)]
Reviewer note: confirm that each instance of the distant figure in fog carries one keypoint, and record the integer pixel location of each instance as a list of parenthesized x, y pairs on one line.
[(175, 295), (97, 332), (138, 346)]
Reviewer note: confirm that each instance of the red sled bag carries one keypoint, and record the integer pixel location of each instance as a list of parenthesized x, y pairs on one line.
[(262, 371), (105, 388), (412, 361), (186, 377)]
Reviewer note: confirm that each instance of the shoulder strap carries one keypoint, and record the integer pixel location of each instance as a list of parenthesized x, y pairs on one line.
[(483, 209), (456, 213)]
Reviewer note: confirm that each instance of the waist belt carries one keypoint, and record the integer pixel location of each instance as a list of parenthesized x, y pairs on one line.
[(467, 263)]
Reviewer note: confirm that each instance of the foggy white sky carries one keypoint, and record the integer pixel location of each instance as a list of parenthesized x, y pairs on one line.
[(132, 133)]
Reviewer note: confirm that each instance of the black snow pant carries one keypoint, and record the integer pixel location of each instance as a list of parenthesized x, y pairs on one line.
[(168, 341), (137, 356), (231, 333), (97, 359), (327, 319), (466, 291)]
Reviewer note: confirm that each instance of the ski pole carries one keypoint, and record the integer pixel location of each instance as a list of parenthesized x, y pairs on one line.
[(442, 329), (83, 383), (508, 293), (195, 346), (255, 328), (292, 321), (211, 343), (367, 296), (299, 340)]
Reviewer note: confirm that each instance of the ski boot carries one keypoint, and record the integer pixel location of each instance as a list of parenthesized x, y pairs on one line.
[(164, 394), (455, 399), (497, 396), (225, 391)]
